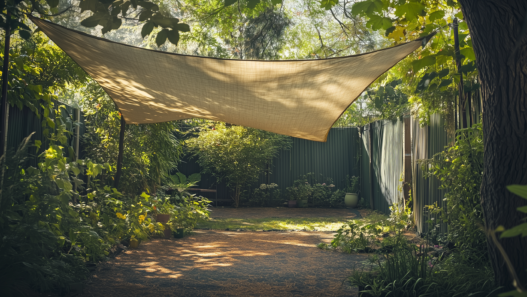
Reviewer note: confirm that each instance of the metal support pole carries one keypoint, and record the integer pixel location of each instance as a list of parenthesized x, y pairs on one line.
[(372, 205), (120, 156), (4, 106), (77, 140), (5, 77), (462, 106)]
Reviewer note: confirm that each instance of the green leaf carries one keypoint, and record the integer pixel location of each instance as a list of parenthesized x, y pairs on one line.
[(91, 21), (75, 170), (147, 29), (365, 8), (422, 63), (443, 72), (389, 31), (24, 34), (514, 293), (520, 190), (410, 10), (53, 3), (183, 28), (90, 5), (515, 231), (50, 122), (116, 24), (377, 22), (468, 53), (436, 15), (161, 37), (463, 26), (444, 83), (251, 4), (522, 209), (173, 37), (230, 2), (275, 2), (146, 14)]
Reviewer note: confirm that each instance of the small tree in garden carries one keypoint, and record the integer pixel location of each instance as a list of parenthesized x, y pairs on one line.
[(235, 154)]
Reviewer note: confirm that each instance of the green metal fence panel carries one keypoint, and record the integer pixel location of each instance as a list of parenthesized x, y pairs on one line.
[(387, 159), (426, 142), (336, 158), (419, 183), (23, 122), (365, 183)]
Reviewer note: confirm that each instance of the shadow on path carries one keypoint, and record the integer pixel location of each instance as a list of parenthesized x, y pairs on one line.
[(223, 263)]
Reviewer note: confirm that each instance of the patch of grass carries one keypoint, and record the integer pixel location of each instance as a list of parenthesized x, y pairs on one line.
[(310, 224)]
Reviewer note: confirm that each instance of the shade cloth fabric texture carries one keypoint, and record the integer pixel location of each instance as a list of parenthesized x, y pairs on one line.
[(299, 98)]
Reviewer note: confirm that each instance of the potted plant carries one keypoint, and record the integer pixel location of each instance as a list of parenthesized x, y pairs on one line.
[(352, 188), (134, 242), (176, 226), (163, 212)]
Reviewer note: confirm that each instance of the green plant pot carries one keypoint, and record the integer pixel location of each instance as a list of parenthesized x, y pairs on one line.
[(351, 199), (179, 233), (302, 203)]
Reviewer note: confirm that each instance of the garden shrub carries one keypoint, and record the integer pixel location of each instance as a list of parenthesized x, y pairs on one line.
[(235, 154), (265, 195), (316, 190), (460, 170), (50, 231)]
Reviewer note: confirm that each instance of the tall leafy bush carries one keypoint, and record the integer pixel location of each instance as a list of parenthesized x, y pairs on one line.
[(460, 170), (235, 154)]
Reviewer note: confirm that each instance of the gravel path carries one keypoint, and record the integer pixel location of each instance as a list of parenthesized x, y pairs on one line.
[(227, 263)]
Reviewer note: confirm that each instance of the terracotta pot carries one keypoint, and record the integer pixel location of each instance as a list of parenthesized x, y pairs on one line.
[(292, 203), (163, 218), (351, 199)]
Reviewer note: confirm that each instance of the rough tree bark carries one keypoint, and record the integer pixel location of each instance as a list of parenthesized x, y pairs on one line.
[(501, 55)]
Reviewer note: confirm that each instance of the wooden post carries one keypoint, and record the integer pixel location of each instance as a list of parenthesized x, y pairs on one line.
[(120, 156), (372, 205)]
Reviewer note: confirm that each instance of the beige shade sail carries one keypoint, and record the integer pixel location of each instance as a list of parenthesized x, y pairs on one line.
[(299, 98)]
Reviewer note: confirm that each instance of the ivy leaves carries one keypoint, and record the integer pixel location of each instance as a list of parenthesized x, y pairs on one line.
[(109, 14), (251, 4), (170, 31)]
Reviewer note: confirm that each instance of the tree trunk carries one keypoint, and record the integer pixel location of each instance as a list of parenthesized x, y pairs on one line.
[(495, 27)]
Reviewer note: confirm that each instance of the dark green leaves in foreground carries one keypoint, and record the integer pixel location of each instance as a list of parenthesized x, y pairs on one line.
[(521, 229), (108, 14)]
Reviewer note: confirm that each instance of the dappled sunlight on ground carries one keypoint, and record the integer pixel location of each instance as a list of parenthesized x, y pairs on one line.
[(224, 263)]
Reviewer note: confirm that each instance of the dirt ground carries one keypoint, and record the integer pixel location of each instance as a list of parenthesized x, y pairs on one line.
[(284, 212), (230, 263), (227, 263)]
